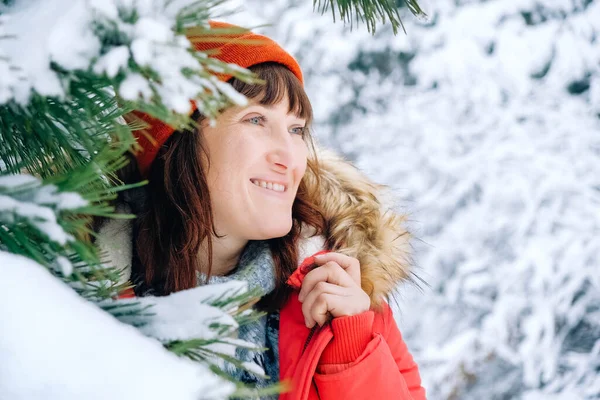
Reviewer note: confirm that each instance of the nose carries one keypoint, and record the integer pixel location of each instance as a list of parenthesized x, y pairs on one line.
[(280, 156)]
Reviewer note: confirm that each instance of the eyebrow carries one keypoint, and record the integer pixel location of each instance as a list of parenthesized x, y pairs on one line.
[(271, 107)]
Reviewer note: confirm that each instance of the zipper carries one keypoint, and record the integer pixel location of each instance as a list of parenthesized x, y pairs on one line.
[(308, 339), (310, 335), (312, 332)]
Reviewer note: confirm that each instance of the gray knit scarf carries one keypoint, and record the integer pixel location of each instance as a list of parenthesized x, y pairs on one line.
[(256, 267)]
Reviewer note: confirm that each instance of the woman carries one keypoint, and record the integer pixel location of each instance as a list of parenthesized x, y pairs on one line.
[(245, 198)]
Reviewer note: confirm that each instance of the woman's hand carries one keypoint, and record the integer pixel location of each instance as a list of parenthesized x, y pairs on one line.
[(332, 288)]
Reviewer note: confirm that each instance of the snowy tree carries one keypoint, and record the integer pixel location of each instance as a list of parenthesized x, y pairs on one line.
[(69, 72), (484, 119)]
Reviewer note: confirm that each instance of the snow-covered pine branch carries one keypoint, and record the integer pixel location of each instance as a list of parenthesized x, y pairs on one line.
[(140, 46), (65, 84)]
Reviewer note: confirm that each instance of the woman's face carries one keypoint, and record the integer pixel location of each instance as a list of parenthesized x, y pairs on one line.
[(257, 158)]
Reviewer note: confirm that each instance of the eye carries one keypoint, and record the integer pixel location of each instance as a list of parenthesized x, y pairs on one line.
[(298, 131), (257, 120)]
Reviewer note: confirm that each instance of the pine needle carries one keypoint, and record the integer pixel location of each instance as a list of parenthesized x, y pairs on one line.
[(368, 12)]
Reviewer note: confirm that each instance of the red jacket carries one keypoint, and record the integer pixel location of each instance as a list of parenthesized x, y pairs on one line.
[(357, 357)]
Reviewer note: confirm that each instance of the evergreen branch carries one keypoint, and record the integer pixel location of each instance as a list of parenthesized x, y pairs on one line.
[(247, 392), (369, 11), (135, 313), (240, 300), (49, 136), (415, 8), (196, 12), (47, 221), (142, 82), (209, 355), (215, 359)]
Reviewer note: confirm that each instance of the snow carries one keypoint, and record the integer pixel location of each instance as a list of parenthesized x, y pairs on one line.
[(13, 181), (78, 53), (26, 198), (135, 85), (66, 267), (112, 62), (30, 69), (50, 196), (153, 31), (186, 314), (106, 8), (55, 345), (42, 217), (254, 368)]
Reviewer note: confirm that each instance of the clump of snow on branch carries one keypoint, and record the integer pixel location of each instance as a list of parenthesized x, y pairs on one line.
[(25, 200), (187, 314), (85, 354)]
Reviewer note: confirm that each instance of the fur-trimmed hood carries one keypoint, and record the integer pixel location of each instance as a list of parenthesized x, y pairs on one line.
[(359, 225)]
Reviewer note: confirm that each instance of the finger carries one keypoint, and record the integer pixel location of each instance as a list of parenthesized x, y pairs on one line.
[(330, 272), (319, 274), (327, 304), (319, 289), (350, 264), (320, 309)]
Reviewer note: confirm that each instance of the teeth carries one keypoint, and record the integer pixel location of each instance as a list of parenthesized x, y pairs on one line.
[(269, 185)]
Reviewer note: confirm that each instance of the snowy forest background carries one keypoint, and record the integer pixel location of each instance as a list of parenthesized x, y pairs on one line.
[(485, 121)]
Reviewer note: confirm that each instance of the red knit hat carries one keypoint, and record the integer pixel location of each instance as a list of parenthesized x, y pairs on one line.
[(245, 55)]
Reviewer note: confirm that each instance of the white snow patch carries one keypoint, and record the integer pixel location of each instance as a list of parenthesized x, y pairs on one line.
[(55, 345)]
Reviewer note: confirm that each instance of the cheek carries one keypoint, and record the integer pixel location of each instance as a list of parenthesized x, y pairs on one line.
[(301, 161), (229, 157)]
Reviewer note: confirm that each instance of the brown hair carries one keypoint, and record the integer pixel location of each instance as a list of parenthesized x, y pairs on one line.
[(177, 218)]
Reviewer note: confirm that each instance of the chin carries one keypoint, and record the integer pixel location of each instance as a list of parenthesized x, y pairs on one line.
[(275, 230)]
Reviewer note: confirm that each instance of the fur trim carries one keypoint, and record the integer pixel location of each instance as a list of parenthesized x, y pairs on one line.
[(360, 225)]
